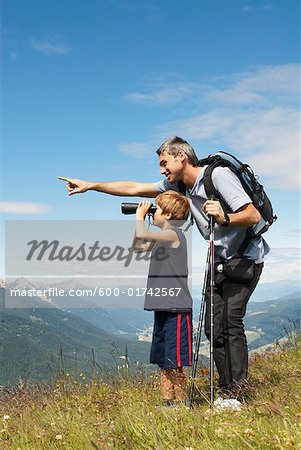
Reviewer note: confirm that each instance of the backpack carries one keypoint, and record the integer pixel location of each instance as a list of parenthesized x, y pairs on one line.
[(250, 184)]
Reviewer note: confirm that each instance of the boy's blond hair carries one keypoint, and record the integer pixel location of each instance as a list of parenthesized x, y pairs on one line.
[(174, 203)]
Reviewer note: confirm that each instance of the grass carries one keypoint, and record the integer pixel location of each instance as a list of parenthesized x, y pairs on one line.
[(80, 414)]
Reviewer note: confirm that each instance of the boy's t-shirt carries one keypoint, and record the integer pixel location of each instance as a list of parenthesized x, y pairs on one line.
[(167, 288)]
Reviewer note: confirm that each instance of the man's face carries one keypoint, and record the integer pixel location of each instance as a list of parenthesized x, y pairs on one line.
[(171, 166)]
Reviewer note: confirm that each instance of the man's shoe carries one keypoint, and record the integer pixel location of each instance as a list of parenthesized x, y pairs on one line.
[(222, 404)]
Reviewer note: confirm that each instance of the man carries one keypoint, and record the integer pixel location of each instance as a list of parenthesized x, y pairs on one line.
[(179, 163)]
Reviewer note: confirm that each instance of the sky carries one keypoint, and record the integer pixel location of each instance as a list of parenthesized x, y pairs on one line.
[(90, 89)]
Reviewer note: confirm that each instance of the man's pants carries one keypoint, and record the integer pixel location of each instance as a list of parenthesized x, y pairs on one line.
[(230, 344)]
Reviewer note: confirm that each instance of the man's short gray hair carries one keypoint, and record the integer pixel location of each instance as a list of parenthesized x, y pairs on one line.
[(174, 145)]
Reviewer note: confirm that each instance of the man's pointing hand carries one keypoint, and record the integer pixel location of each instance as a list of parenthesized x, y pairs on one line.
[(75, 186)]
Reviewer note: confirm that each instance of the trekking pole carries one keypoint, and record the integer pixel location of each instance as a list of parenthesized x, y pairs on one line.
[(199, 332), (211, 306)]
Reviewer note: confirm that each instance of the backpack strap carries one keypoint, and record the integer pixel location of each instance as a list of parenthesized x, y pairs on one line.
[(182, 187), (211, 191), (207, 180), (245, 243)]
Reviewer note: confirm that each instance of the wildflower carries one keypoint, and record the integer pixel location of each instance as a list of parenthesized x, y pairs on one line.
[(6, 417), (219, 431), (58, 437)]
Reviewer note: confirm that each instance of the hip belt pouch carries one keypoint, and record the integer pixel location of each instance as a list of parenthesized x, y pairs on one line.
[(237, 269)]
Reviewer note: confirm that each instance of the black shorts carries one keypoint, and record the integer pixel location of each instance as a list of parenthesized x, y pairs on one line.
[(172, 340)]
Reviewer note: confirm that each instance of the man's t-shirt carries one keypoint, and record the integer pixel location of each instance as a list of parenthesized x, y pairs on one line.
[(227, 240)]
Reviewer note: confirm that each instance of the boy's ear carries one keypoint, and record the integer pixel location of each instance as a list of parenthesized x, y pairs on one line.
[(168, 216)]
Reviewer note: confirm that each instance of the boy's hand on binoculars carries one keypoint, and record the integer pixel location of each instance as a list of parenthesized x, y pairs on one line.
[(75, 186), (213, 208), (142, 209)]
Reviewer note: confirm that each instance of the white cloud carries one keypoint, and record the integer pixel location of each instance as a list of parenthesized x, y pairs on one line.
[(294, 233), (23, 208), (173, 93), (280, 264), (264, 7), (54, 44), (262, 86), (138, 150), (255, 114), (267, 139)]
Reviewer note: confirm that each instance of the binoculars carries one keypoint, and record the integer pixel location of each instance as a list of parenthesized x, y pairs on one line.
[(131, 208)]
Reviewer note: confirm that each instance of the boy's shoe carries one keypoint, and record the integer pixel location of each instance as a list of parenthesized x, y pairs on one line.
[(222, 404)]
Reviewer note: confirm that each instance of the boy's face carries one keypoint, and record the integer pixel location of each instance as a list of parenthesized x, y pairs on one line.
[(171, 166), (159, 217)]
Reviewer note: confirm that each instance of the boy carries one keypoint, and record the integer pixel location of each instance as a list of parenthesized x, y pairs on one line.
[(167, 292)]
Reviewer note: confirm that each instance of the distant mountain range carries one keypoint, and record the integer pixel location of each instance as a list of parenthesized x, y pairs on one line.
[(273, 319), (277, 289), (36, 343), (38, 339), (265, 291)]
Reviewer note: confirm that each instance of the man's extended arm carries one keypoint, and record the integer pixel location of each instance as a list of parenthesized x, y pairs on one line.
[(119, 188)]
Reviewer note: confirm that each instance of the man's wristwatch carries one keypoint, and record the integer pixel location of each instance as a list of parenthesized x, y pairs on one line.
[(227, 220)]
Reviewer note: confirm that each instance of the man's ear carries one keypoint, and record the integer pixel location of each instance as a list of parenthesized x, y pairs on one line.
[(182, 155)]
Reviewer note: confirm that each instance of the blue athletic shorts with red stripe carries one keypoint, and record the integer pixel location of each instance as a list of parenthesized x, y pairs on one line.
[(172, 340)]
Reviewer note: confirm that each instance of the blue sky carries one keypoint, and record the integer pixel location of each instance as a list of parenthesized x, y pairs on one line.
[(87, 83)]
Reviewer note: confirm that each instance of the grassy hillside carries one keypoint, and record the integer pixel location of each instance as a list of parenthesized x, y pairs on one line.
[(122, 415), (37, 343)]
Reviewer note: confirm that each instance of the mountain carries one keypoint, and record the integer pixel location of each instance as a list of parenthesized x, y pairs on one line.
[(38, 339), (277, 289), (271, 320), (263, 291), (36, 343), (265, 322), (118, 321)]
